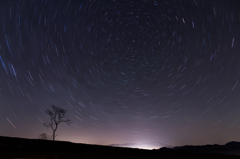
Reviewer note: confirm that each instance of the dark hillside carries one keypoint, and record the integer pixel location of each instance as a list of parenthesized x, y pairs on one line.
[(44, 149)]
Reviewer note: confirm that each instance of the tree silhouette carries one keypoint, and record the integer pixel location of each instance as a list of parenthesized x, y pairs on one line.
[(57, 116), (44, 136)]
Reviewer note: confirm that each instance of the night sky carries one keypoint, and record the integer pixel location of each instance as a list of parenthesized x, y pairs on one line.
[(127, 71)]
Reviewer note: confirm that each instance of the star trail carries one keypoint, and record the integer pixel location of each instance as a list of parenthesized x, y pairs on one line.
[(127, 71)]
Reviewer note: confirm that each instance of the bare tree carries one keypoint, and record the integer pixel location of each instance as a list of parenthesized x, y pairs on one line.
[(57, 116), (44, 136)]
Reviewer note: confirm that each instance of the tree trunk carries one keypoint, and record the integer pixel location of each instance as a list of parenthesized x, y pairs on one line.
[(54, 135)]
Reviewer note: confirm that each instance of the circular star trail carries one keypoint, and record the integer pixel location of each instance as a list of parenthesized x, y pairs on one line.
[(127, 71)]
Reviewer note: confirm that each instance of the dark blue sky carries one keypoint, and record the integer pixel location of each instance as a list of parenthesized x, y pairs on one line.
[(127, 71)]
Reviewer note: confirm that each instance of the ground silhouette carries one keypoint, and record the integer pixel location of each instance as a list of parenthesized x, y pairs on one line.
[(47, 149)]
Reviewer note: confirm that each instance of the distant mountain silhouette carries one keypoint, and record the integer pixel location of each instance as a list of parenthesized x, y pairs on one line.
[(231, 148), (45, 149)]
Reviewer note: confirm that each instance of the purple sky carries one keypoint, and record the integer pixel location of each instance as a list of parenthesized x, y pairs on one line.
[(127, 71)]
